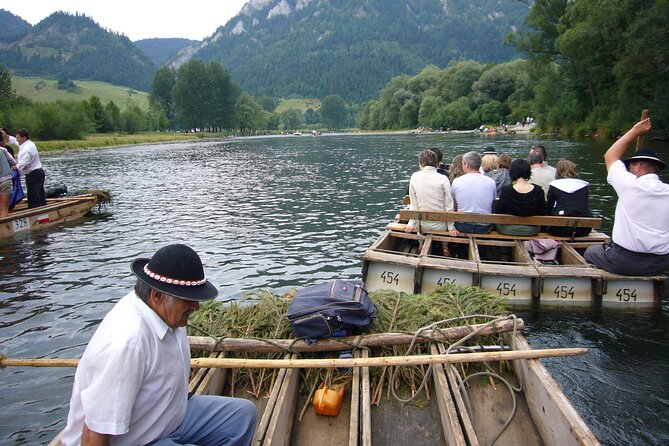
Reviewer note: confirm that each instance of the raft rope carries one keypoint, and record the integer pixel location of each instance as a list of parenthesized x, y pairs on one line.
[(434, 327)]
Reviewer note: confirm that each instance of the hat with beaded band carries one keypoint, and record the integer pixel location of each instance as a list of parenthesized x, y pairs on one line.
[(175, 270)]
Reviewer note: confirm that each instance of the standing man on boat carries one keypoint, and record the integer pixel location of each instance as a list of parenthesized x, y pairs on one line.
[(31, 166), (131, 385), (639, 245)]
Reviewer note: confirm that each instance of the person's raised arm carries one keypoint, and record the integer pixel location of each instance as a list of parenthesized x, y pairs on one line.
[(617, 150)]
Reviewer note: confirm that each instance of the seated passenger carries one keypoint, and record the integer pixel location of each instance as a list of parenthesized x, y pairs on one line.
[(541, 175), (567, 197), (490, 165), (455, 169), (521, 198), (430, 191), (473, 192)]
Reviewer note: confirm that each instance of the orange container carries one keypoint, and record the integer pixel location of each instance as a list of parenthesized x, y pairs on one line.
[(328, 401)]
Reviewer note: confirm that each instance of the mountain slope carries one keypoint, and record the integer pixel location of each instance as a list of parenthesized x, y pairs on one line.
[(12, 27), (76, 47), (161, 50), (314, 48)]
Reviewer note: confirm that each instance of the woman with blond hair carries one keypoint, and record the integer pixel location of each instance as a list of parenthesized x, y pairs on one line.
[(567, 196), (490, 166)]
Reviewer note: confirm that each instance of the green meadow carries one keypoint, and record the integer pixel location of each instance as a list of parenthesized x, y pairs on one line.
[(46, 90)]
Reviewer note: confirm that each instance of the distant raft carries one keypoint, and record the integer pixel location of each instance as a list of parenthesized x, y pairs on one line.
[(56, 211)]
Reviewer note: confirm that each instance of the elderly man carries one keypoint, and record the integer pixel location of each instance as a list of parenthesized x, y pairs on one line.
[(131, 386), (473, 192), (30, 165), (639, 245)]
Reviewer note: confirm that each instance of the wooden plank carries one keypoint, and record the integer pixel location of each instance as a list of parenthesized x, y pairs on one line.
[(263, 424), (449, 414), (467, 217), (366, 408), (280, 426), (209, 381), (44, 217), (356, 405), (554, 416)]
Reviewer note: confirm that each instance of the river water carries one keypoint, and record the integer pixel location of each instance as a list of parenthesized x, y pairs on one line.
[(279, 213)]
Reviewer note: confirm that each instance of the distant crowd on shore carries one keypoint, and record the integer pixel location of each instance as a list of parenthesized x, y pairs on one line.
[(495, 183)]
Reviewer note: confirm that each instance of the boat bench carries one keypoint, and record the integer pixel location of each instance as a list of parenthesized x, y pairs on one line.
[(538, 220)]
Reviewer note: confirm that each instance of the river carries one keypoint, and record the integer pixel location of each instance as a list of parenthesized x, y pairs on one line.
[(278, 213)]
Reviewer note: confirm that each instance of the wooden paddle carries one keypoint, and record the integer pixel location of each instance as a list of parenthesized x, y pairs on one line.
[(639, 139), (240, 363)]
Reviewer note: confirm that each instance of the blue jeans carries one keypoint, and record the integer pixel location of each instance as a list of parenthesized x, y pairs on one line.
[(472, 228), (214, 420)]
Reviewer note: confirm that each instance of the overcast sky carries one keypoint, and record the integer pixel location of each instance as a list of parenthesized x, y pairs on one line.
[(138, 19)]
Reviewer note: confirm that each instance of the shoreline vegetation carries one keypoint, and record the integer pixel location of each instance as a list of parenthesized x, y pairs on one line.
[(110, 140)]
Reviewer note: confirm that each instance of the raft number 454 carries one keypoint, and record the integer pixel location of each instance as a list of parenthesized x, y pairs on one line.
[(626, 295), (506, 289), (390, 277)]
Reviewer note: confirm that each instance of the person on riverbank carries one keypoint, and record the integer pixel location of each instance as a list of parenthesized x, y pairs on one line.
[(567, 197), (7, 165), (31, 166), (131, 385), (521, 198), (430, 191), (639, 245), (473, 192)]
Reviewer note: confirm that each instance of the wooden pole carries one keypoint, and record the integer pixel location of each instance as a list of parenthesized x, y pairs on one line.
[(337, 344), (240, 363), (639, 139)]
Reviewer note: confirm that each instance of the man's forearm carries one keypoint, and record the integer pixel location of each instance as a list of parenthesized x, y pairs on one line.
[(90, 438)]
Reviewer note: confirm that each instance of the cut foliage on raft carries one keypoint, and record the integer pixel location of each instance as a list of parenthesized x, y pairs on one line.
[(262, 315)]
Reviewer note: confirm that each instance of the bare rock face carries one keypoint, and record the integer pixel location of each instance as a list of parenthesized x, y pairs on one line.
[(282, 8)]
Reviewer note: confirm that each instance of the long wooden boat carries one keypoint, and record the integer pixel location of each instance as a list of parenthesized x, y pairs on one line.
[(56, 211), (408, 262), (450, 413)]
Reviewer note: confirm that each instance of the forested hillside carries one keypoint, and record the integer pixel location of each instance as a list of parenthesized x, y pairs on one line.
[(161, 50), (309, 48), (12, 27), (76, 47)]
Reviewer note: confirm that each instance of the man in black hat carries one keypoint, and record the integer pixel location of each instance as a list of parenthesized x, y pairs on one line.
[(639, 244), (131, 385)]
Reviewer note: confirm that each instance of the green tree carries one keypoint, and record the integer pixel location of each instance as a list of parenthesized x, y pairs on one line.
[(250, 115), (112, 117), (6, 92), (333, 112), (97, 114), (161, 95), (223, 96), (191, 95), (291, 119)]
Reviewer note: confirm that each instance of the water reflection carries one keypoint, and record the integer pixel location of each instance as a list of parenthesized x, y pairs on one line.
[(278, 213)]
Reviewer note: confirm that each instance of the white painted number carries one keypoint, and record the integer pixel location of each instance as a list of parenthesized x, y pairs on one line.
[(564, 292), (626, 295), (20, 224), (390, 277), (506, 289)]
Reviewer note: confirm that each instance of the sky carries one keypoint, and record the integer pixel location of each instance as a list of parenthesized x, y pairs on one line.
[(138, 19)]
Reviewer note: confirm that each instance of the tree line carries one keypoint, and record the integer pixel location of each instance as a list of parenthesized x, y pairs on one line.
[(591, 67)]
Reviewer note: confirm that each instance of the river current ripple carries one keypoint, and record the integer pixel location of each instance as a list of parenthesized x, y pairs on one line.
[(280, 213)]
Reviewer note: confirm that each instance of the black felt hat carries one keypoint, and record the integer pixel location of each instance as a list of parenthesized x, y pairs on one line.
[(645, 155), (490, 150), (175, 270)]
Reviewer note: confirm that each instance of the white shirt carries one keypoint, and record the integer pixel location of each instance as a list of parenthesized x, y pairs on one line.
[(132, 381), (430, 191), (28, 157), (474, 193), (642, 212)]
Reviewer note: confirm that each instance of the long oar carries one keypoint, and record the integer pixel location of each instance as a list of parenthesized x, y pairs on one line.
[(240, 363), (639, 139)]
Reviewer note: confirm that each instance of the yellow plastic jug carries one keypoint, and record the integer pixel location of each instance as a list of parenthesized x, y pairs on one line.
[(328, 401)]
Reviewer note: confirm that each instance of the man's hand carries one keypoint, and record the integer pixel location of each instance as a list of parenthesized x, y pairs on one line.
[(641, 127), (408, 228), (618, 148)]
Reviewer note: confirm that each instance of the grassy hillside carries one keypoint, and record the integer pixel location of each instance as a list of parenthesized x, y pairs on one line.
[(301, 104), (45, 90)]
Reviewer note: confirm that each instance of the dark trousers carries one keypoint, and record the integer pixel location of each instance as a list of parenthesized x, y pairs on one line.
[(35, 186), (618, 260)]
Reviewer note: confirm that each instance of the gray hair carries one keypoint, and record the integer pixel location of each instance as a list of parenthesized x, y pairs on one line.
[(535, 157), (473, 159)]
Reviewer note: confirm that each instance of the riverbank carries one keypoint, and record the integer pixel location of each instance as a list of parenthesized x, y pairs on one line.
[(106, 140)]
